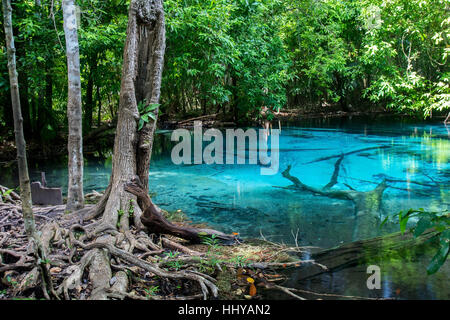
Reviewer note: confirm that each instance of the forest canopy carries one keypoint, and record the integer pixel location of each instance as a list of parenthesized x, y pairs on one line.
[(236, 56)]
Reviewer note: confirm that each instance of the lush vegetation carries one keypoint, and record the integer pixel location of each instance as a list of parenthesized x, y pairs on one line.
[(235, 56), (423, 221)]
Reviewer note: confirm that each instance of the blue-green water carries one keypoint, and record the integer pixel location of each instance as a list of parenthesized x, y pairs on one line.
[(237, 198)]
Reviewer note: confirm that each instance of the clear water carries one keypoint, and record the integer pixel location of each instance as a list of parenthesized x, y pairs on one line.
[(237, 198)]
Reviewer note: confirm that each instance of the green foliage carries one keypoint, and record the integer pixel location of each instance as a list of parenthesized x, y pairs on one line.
[(423, 220), (226, 54), (147, 112), (151, 291), (239, 261), (407, 56), (5, 193), (175, 264), (210, 241), (171, 254), (236, 57), (131, 209)]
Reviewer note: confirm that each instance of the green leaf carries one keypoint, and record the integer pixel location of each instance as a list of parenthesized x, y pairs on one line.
[(403, 222), (440, 257), (384, 221), (152, 106), (141, 124), (423, 224), (7, 192)]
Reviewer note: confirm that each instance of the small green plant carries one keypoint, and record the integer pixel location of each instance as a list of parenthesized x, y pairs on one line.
[(439, 221), (207, 266), (171, 254), (131, 209), (175, 216), (146, 111), (239, 261), (210, 241), (6, 193), (175, 264), (11, 281), (120, 213), (151, 291)]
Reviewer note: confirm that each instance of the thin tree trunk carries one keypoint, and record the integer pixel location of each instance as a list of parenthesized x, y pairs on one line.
[(25, 189), (99, 114), (89, 104), (75, 197), (24, 103)]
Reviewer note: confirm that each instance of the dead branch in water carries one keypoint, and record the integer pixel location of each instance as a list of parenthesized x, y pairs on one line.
[(366, 203)]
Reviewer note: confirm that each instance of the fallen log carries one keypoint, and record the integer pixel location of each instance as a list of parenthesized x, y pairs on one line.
[(155, 222), (352, 254)]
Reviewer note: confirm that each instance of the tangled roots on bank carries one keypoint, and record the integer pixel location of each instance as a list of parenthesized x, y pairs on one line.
[(130, 264), (83, 265)]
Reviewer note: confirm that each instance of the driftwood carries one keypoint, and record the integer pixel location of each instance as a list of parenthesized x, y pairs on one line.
[(198, 118), (348, 153), (153, 219), (367, 204), (95, 133)]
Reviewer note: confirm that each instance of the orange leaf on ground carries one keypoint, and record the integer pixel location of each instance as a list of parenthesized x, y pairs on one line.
[(252, 291)]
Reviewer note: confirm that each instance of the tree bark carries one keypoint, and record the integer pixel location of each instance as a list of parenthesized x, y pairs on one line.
[(99, 111), (75, 197), (151, 50)]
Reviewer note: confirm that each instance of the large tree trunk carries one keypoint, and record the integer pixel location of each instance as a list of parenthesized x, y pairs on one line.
[(75, 197), (25, 189), (141, 79)]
